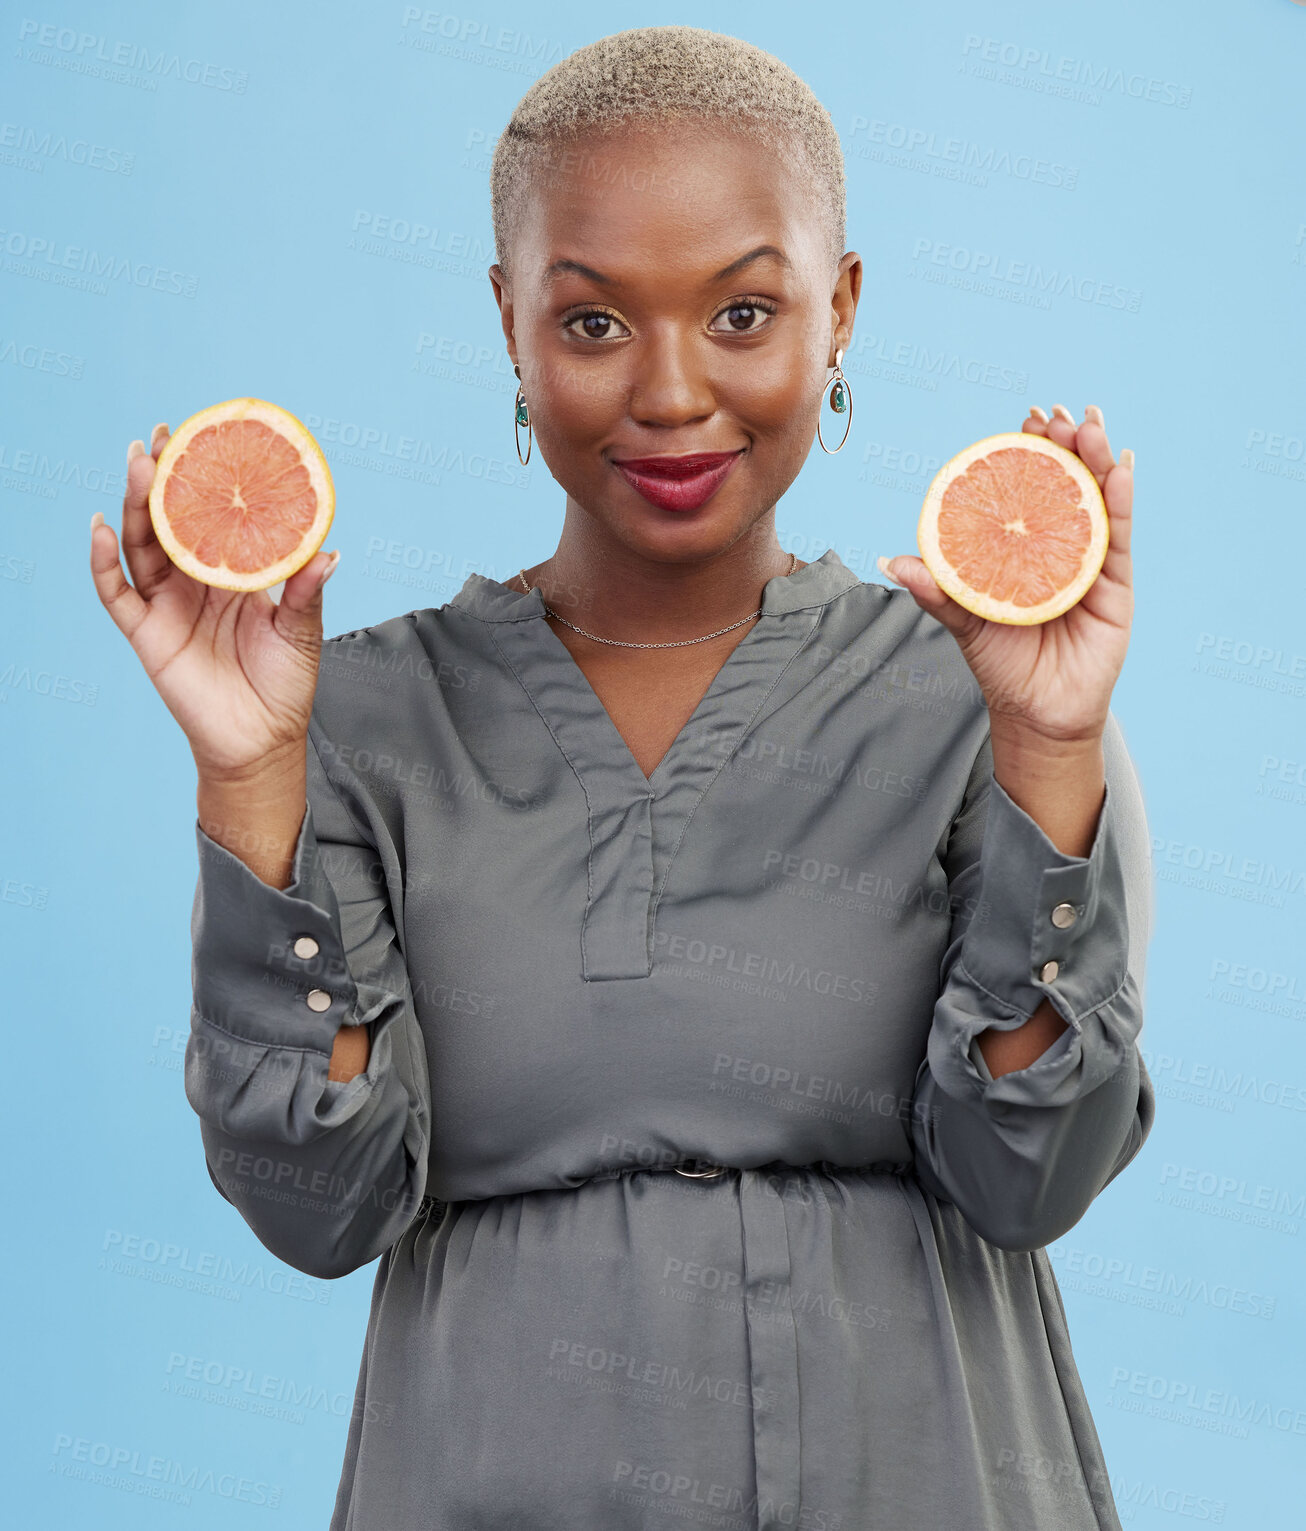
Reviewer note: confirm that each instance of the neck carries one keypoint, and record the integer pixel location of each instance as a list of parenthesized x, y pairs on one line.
[(607, 587)]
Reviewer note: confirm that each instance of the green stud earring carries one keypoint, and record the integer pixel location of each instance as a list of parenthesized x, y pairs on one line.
[(521, 416), (841, 399)]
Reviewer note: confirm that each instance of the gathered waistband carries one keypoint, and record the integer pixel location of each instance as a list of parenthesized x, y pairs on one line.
[(703, 1169), (711, 1172)]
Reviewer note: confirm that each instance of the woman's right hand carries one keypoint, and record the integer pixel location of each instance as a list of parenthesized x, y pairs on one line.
[(237, 670)]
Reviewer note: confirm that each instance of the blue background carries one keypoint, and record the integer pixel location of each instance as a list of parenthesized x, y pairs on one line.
[(246, 167)]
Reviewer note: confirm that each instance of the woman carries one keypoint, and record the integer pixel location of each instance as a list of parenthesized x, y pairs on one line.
[(704, 979)]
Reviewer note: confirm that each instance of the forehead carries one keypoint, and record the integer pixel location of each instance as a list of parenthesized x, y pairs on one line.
[(686, 200)]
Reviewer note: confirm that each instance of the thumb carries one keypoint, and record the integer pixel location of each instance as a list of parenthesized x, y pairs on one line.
[(299, 612), (910, 572), (914, 576)]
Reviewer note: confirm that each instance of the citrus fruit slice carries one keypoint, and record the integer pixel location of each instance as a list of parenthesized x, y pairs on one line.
[(242, 495), (1014, 528)]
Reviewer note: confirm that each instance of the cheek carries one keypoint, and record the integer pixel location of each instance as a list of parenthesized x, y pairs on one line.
[(776, 388), (577, 402), (773, 397)]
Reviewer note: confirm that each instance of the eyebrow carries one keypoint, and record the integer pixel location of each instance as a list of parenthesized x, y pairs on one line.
[(744, 260), (559, 267)]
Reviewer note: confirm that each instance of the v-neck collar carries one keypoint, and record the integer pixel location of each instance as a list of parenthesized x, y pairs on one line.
[(636, 822), (815, 584), (811, 587)]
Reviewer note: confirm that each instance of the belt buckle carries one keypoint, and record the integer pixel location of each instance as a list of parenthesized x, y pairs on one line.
[(705, 1174)]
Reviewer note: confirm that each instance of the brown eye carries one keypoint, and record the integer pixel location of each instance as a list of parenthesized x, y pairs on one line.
[(594, 326), (746, 318)]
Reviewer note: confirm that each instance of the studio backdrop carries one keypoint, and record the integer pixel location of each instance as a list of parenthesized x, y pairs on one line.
[(1079, 205)]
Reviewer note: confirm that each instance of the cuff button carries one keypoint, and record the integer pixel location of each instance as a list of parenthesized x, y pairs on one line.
[(1049, 970), (306, 946), (1063, 915), (318, 999)]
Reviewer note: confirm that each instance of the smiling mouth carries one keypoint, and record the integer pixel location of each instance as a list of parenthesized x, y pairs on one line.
[(678, 483)]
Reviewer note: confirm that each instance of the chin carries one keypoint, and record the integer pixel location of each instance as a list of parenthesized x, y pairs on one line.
[(682, 536)]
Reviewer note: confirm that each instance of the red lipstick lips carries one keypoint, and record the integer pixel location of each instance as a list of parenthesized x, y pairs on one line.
[(678, 483)]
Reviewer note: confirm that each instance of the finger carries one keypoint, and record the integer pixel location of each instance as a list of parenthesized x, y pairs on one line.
[(1037, 422), (122, 603), (914, 576), (1116, 574), (1061, 427), (1092, 445), (298, 614), (158, 439), (1119, 497), (146, 558)]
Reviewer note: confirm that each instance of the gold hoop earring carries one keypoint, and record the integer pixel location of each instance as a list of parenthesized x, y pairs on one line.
[(841, 398), (521, 416)]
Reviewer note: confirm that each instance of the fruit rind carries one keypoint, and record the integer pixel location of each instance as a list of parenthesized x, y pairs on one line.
[(285, 424), (984, 605)]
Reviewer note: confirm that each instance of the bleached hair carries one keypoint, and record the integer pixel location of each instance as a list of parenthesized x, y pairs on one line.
[(659, 75)]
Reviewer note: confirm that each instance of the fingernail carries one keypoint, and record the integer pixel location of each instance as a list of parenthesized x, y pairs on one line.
[(1093, 413), (1038, 413), (97, 519), (161, 426), (1064, 413), (882, 563), (330, 568), (134, 451), (1127, 459)]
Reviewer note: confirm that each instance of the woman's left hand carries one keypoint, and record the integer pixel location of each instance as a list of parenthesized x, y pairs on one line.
[(1054, 679)]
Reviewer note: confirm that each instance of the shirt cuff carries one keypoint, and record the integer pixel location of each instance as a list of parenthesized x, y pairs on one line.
[(1047, 925), (268, 964)]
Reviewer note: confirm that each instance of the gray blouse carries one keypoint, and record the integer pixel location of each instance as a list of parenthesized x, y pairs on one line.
[(693, 1197)]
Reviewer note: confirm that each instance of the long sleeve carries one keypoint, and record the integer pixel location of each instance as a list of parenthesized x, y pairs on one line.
[(1023, 1156), (326, 1174)]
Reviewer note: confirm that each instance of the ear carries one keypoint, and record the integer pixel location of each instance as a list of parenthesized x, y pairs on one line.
[(503, 297), (843, 300)]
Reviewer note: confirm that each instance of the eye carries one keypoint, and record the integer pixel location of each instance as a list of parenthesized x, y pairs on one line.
[(597, 325), (740, 315)]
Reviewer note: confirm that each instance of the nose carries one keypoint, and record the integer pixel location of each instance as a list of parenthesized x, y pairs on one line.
[(669, 384)]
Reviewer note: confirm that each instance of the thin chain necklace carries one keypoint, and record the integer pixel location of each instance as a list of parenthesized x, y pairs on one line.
[(679, 643)]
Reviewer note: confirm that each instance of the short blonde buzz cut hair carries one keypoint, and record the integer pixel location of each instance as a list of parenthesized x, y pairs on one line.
[(664, 75)]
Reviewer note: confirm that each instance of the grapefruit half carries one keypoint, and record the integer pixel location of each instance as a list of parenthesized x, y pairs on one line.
[(1014, 528), (242, 495)]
